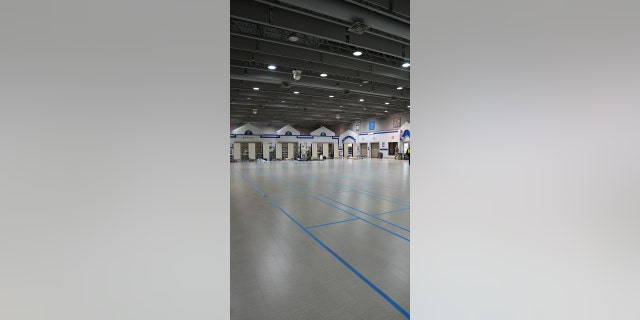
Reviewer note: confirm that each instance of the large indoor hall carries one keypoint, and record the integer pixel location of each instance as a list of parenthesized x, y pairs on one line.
[(320, 156)]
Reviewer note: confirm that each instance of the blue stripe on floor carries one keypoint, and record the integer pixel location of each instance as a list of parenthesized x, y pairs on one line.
[(346, 264)]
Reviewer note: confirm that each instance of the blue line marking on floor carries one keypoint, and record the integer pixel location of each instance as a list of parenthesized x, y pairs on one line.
[(368, 214), (392, 211), (369, 193), (346, 264), (369, 222), (380, 196), (289, 184), (326, 224)]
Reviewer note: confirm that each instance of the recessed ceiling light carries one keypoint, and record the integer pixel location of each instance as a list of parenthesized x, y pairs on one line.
[(357, 53), (330, 96), (408, 106), (256, 88), (406, 65), (399, 88), (248, 98), (293, 38), (296, 92), (386, 111), (361, 100), (271, 67), (282, 101), (340, 106), (323, 75), (386, 103)]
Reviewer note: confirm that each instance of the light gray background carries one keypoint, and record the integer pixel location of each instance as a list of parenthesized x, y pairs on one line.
[(525, 182), (114, 196)]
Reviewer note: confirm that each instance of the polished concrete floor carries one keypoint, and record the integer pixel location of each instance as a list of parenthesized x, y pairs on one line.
[(320, 239)]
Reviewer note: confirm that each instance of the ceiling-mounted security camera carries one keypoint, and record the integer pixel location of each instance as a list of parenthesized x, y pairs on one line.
[(297, 74)]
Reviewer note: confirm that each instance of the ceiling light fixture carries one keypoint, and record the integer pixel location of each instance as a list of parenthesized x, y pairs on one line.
[(399, 88), (406, 64), (323, 75), (271, 67), (330, 96), (256, 88), (361, 100), (386, 111), (357, 53), (386, 103), (408, 106), (296, 92), (293, 38)]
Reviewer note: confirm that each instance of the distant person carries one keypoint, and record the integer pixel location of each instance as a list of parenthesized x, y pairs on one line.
[(396, 157), (409, 154)]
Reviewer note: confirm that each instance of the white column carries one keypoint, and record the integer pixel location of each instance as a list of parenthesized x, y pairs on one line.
[(265, 150), (252, 150), (279, 151), (325, 149), (236, 151), (290, 156), (314, 150)]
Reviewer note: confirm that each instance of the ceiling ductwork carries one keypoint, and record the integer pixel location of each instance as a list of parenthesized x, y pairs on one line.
[(350, 12)]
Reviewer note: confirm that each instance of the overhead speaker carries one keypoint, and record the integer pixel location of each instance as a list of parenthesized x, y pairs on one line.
[(297, 74), (358, 27)]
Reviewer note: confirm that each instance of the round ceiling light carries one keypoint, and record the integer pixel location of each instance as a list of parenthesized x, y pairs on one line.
[(361, 100), (293, 38), (330, 96), (399, 88), (323, 75), (256, 88), (296, 92), (406, 65), (357, 53), (271, 67), (386, 103)]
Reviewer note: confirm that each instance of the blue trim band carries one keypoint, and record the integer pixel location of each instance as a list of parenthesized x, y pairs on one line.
[(269, 136), (232, 136), (304, 137)]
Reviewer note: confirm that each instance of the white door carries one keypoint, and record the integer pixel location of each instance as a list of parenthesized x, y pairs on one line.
[(279, 151)]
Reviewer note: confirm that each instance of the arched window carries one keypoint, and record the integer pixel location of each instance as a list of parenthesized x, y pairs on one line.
[(248, 132), (288, 133), (323, 134)]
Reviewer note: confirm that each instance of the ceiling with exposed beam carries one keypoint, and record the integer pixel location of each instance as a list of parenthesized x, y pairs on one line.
[(270, 39)]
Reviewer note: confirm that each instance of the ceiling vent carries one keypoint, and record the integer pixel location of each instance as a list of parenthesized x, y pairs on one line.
[(358, 27)]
